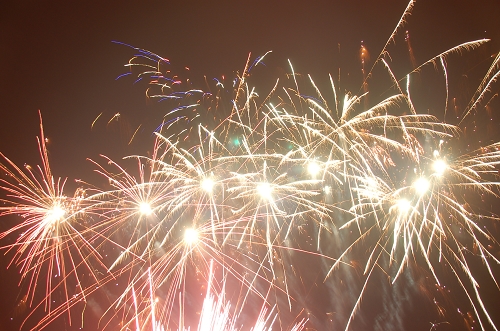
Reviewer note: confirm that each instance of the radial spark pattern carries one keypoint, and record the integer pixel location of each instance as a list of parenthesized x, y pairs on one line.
[(243, 188)]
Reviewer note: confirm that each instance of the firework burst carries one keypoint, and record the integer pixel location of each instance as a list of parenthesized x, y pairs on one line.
[(53, 241), (244, 184)]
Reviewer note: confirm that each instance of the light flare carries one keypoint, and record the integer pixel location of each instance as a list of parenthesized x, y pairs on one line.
[(439, 166), (421, 185), (55, 214), (207, 184), (145, 208), (265, 191), (191, 236)]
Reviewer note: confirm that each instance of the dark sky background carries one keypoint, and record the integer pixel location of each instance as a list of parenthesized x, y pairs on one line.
[(58, 57)]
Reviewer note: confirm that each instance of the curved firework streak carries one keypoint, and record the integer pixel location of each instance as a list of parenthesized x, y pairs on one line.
[(189, 107)]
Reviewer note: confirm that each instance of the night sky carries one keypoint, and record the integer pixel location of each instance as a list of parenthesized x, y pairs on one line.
[(59, 57)]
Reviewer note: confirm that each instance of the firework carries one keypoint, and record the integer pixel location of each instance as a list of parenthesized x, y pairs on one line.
[(245, 184), (216, 313), (53, 242)]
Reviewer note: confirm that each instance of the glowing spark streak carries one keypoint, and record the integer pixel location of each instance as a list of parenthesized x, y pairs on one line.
[(480, 97), (133, 136), (445, 73), (402, 20), (92, 126), (115, 116)]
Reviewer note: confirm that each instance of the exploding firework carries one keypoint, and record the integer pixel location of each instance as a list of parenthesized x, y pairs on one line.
[(53, 243), (246, 184)]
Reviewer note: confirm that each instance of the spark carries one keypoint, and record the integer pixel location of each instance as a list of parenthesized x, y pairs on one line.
[(115, 117), (95, 120)]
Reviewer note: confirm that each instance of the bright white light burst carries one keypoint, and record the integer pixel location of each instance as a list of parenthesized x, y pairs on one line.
[(403, 206), (265, 190), (145, 208), (421, 185), (207, 184), (190, 236), (55, 214), (439, 167), (313, 168)]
